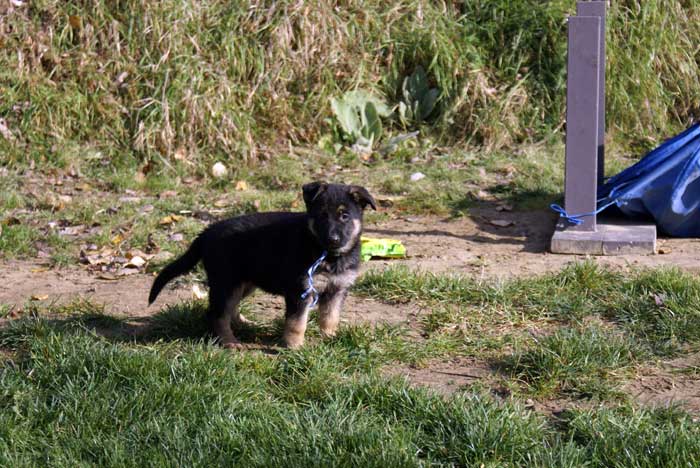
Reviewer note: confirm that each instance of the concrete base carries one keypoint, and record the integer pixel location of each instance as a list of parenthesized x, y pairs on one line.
[(612, 237)]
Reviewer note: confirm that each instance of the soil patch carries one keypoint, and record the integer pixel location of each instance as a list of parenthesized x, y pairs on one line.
[(676, 382)]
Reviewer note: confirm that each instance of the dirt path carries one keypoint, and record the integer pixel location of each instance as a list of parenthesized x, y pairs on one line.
[(470, 246)]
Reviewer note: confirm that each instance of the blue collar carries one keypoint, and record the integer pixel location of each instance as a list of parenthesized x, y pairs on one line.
[(310, 274)]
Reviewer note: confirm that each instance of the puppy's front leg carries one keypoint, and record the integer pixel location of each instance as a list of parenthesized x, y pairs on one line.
[(330, 303), (296, 316)]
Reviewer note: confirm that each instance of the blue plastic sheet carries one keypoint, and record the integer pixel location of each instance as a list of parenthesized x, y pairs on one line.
[(664, 186)]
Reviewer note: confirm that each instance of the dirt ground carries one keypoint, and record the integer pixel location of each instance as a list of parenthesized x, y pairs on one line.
[(490, 245)]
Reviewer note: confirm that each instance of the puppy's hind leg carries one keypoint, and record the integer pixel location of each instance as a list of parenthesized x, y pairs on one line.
[(223, 304), (238, 318), (296, 316)]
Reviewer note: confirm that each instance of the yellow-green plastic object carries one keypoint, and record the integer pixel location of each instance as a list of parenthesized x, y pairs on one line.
[(382, 248)]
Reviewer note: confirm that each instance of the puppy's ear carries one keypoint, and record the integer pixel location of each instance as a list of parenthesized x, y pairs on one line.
[(313, 190), (362, 196)]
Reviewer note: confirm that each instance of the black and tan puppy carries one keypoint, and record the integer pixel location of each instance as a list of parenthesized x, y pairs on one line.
[(273, 252)]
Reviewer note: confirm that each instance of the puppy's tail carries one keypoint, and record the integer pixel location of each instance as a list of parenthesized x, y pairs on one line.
[(182, 265)]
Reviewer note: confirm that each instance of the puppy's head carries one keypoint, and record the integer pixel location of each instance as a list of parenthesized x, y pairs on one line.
[(335, 214)]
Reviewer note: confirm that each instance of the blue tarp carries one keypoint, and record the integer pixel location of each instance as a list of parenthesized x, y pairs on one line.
[(663, 186)]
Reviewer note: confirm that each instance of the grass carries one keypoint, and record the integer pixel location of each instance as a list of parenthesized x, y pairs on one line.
[(179, 85), (571, 295), (581, 362), (571, 334), (138, 99), (72, 395)]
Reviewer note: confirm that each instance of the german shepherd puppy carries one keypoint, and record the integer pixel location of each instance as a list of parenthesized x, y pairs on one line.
[(274, 252)]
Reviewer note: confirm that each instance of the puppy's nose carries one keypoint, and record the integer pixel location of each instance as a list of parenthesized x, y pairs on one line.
[(335, 239)]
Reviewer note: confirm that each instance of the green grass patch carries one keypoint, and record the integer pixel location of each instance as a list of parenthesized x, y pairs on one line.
[(71, 396), (627, 436), (659, 307), (580, 362)]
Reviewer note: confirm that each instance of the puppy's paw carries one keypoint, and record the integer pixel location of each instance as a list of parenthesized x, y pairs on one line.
[(231, 342), (329, 332), (294, 340), (234, 346)]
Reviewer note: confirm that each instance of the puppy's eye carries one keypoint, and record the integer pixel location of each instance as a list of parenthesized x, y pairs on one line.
[(344, 217)]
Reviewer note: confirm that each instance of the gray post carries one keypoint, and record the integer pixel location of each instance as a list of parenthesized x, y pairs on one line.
[(582, 111), (585, 147), (597, 8)]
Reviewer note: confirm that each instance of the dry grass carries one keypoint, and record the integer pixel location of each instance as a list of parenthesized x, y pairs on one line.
[(178, 82)]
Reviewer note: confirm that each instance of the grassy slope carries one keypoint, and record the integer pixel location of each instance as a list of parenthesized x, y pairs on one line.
[(182, 80)]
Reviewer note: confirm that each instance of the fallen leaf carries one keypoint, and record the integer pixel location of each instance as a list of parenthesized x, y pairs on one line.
[(40, 297), (120, 78), (204, 216), (127, 271), (501, 222), (170, 219), (71, 230), (180, 154), (221, 203), (75, 21), (483, 195), (176, 237), (146, 209), (117, 239), (139, 177), (137, 253), (129, 199), (504, 208), (6, 132), (198, 292), (241, 185), (135, 262), (167, 194), (659, 299)]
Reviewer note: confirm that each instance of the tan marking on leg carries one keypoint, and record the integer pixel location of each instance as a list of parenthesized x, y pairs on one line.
[(240, 319), (329, 315), (295, 328)]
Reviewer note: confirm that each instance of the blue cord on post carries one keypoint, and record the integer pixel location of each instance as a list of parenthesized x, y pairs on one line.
[(575, 219)]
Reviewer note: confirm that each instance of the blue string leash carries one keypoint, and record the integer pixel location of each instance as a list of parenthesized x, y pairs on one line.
[(575, 219), (310, 274)]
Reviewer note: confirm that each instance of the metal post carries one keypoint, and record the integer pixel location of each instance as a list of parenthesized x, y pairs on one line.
[(585, 147), (598, 8), (582, 113)]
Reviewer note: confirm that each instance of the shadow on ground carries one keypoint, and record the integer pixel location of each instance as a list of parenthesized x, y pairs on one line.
[(495, 225), (182, 322)]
